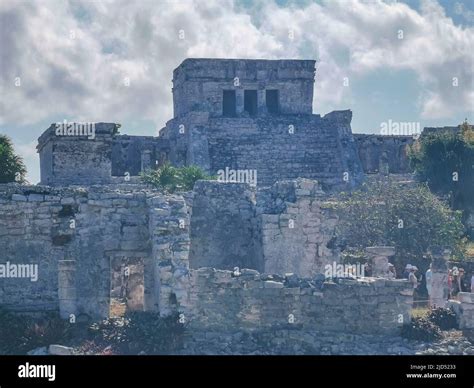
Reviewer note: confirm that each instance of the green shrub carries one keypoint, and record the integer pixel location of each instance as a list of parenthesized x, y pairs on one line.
[(437, 155), (171, 179), (140, 331), (12, 330), (47, 330), (20, 333), (444, 160), (444, 318), (408, 217), (421, 329)]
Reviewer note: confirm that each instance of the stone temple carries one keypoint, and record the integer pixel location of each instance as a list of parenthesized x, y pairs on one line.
[(236, 114), (228, 257)]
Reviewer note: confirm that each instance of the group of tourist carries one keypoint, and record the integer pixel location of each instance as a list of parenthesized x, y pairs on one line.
[(457, 281)]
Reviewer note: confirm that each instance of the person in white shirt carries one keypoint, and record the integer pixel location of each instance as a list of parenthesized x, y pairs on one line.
[(429, 277), (391, 273), (412, 277)]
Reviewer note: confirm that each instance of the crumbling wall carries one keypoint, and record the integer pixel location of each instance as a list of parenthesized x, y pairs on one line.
[(134, 154), (223, 227), (222, 300), (76, 160), (297, 228), (284, 147), (464, 309), (288, 227), (169, 233), (187, 138), (29, 225), (276, 147), (385, 154), (73, 234)]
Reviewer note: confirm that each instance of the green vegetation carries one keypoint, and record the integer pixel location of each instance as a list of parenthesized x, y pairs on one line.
[(12, 168), (444, 318), (20, 334), (134, 333), (445, 161), (171, 179), (139, 331), (427, 325), (421, 329), (408, 217)]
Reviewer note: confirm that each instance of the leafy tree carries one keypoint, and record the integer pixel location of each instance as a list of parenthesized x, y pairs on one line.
[(406, 216), (445, 160), (171, 179), (12, 168)]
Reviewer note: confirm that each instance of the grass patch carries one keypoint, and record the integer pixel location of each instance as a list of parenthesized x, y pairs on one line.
[(420, 312)]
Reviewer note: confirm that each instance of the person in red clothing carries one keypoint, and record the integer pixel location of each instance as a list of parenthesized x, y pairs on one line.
[(450, 283)]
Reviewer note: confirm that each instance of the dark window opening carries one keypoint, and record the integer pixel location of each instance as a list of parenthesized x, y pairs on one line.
[(272, 101), (250, 102), (228, 103)]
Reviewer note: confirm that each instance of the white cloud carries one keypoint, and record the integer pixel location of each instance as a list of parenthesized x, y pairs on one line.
[(73, 58)]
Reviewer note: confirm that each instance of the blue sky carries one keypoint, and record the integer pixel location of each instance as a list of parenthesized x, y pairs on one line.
[(72, 58)]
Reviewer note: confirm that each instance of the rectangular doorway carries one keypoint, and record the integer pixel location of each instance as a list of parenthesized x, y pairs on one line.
[(127, 289), (250, 102)]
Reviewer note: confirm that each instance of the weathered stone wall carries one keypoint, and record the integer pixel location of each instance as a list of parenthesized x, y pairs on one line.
[(109, 223), (464, 309), (220, 300), (134, 154), (77, 237), (288, 227), (198, 84), (316, 149), (188, 142), (169, 233), (29, 233), (78, 160), (223, 227), (280, 147), (466, 316), (75, 159), (297, 227), (386, 154)]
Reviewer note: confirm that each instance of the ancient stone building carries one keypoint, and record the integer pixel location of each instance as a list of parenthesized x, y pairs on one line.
[(242, 115), (89, 243), (231, 254)]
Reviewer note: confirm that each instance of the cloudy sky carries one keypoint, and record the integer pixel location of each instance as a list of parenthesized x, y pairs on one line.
[(409, 61)]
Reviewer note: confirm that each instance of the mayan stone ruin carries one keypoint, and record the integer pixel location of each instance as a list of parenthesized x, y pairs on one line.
[(244, 253)]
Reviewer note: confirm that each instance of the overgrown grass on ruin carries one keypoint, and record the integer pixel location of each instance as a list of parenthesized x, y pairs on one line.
[(171, 179)]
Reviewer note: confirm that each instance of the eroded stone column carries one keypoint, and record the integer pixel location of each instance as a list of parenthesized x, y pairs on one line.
[(378, 256), (169, 232), (439, 278), (239, 101), (146, 160), (261, 101), (67, 291)]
